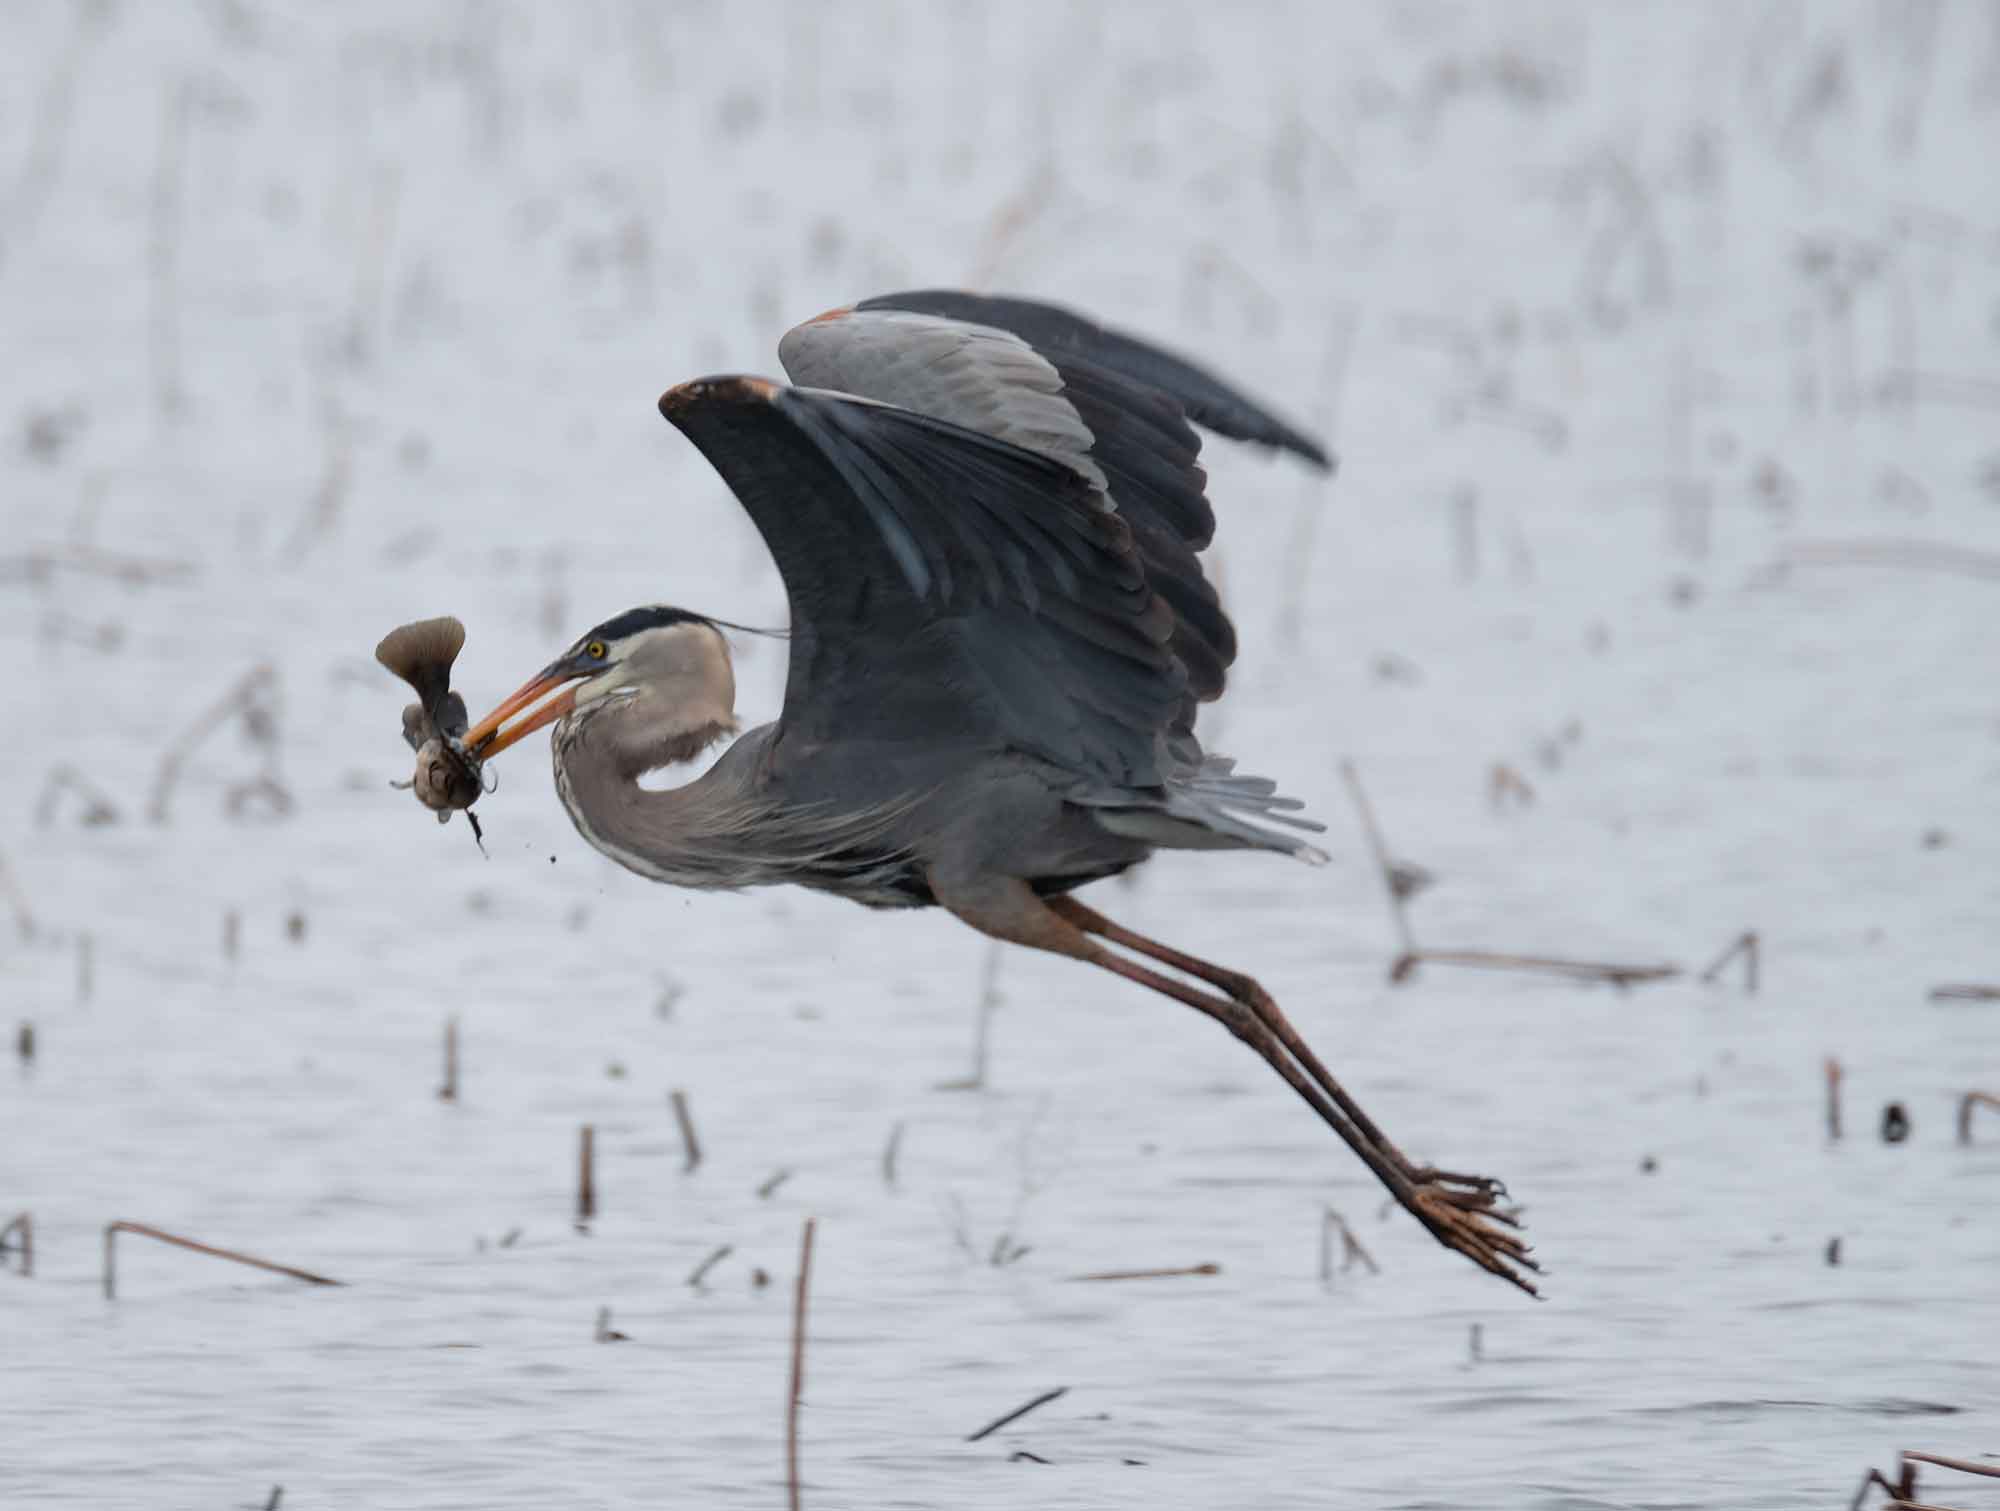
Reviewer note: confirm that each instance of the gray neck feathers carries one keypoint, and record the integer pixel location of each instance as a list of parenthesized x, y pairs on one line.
[(671, 696)]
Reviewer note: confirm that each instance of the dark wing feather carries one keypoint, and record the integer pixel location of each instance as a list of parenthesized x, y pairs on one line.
[(944, 584), (1059, 333), (1131, 439)]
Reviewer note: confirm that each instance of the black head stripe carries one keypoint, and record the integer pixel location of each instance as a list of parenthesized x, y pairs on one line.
[(652, 617)]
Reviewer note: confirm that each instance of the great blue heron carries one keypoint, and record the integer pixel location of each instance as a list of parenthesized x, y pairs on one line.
[(986, 513)]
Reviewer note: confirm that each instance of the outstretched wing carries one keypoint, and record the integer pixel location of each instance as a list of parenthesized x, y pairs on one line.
[(944, 584), (1113, 409), (1062, 335)]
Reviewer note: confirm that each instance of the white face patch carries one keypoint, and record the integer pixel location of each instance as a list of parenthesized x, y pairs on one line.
[(682, 670)]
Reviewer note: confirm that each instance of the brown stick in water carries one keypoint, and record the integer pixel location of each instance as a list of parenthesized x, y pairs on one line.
[(1966, 1103), (1969, 991), (1749, 947), (1383, 865), (448, 1092), (146, 1230), (798, 1364), (1576, 970), (1017, 1413), (586, 1176), (689, 1142), (23, 1224), (1168, 1274)]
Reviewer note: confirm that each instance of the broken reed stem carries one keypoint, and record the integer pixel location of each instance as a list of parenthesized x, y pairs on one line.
[(1833, 1075), (1965, 992), (242, 698), (1963, 1466), (1902, 1491), (798, 1363), (769, 1188), (1749, 947), (982, 1030), (145, 1230), (1351, 1249), (701, 1270), (23, 1224), (586, 1176), (1918, 555), (1966, 1103), (42, 562), (690, 1145), (889, 1152), (1575, 970), (97, 807), (17, 901), (1171, 1274), (1380, 851), (448, 1092), (1018, 1412)]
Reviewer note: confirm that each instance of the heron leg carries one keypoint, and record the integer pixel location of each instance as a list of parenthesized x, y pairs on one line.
[(1458, 1211), (1246, 990)]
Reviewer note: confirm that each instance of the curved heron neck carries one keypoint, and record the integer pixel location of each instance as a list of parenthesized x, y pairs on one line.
[(678, 834)]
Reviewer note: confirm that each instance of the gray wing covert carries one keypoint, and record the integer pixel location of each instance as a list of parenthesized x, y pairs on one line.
[(1110, 408), (944, 584)]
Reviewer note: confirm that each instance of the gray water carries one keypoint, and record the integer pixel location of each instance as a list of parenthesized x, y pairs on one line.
[(1611, 312)]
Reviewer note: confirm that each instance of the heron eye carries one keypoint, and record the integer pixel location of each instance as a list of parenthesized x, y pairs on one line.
[(595, 650)]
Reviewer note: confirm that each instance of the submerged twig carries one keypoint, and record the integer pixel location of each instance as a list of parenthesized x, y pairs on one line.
[(1351, 1250), (1748, 946), (20, 1235), (989, 1000), (41, 563), (448, 1092), (701, 1270), (98, 811), (1902, 1491), (1017, 1413), (1914, 555), (145, 1230), (1967, 991), (1833, 1075), (1548, 965), (251, 698), (1392, 888), (690, 1145), (1166, 1274), (890, 1151), (586, 1176), (1966, 1103), (17, 901)]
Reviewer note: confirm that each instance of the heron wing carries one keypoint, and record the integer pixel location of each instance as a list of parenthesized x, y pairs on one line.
[(1113, 409), (945, 584), (1058, 333)]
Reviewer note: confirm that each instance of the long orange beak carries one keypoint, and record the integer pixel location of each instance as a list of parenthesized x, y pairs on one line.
[(487, 739)]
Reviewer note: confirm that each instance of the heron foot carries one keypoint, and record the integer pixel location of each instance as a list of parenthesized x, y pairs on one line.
[(1463, 1213)]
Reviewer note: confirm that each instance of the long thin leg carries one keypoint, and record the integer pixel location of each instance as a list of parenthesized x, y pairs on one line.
[(1458, 1211), (1246, 990)]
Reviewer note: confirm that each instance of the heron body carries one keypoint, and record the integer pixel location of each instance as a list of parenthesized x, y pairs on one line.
[(988, 515)]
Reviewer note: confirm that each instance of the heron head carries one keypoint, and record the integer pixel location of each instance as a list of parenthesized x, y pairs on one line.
[(662, 673)]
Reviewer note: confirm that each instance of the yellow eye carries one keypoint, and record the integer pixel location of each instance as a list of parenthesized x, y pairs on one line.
[(595, 650)]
